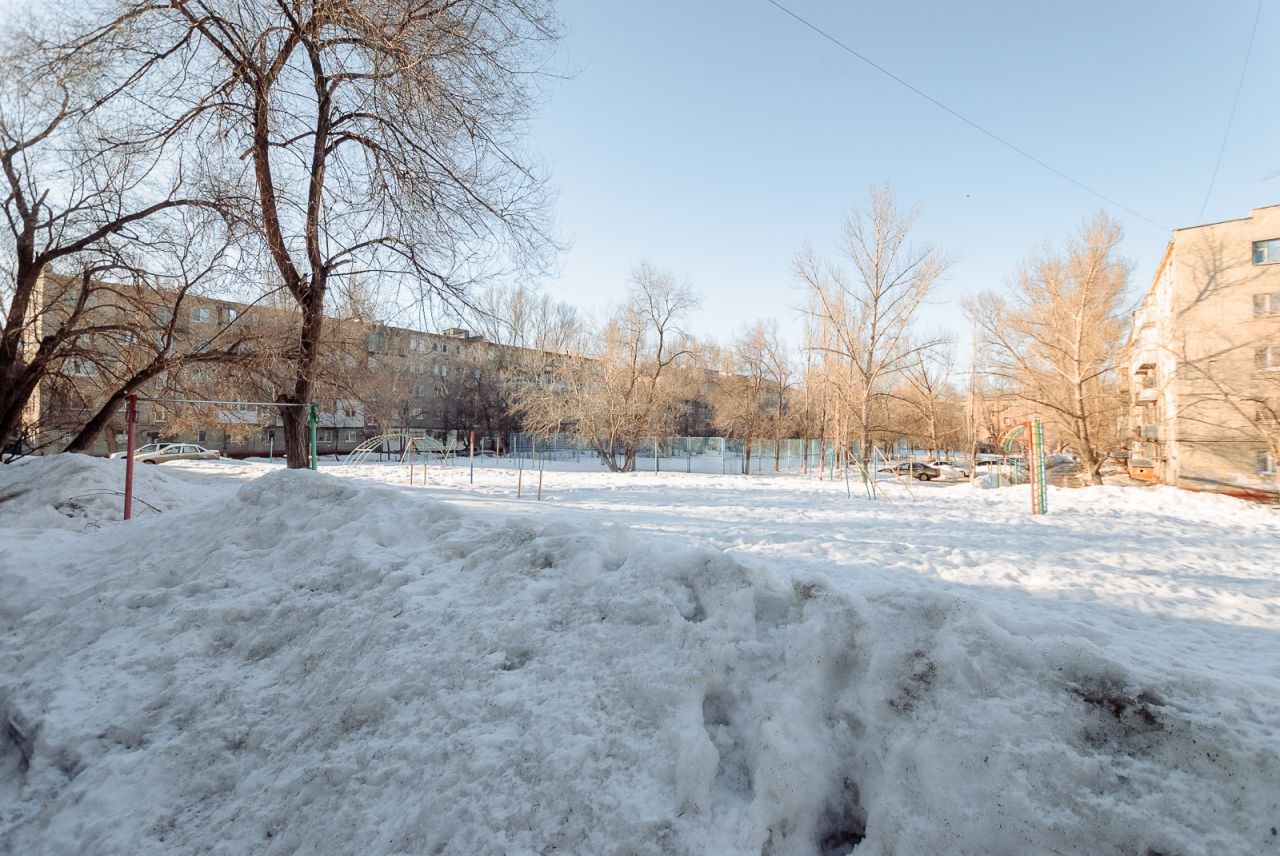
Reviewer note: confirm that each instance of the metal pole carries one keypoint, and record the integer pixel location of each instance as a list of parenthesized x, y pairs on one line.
[(314, 421), (473, 457), (131, 430)]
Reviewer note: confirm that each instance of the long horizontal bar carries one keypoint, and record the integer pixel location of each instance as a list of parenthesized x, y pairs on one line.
[(208, 401)]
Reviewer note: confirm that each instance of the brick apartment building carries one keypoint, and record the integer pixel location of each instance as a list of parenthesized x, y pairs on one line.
[(378, 379), (1204, 358)]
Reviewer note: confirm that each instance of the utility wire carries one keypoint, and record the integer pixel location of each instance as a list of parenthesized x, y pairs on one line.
[(1232, 118), (934, 101)]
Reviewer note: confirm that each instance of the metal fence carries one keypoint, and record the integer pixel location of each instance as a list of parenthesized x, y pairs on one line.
[(679, 454), (709, 455)]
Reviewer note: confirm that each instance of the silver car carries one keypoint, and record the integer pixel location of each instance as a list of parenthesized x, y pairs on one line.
[(173, 452), (141, 450)]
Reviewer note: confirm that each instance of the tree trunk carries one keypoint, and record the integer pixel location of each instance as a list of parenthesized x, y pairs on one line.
[(295, 418), (13, 401), (84, 439), (297, 452)]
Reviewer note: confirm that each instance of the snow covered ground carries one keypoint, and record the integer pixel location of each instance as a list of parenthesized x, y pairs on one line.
[(276, 662)]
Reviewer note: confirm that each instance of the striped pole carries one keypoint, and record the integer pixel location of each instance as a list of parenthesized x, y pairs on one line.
[(1039, 478)]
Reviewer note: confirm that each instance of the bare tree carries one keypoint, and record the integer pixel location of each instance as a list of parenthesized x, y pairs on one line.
[(372, 140), (865, 317), (626, 384), (739, 389), (1056, 338), (776, 362), (519, 317), (933, 400), (94, 228), (527, 333)]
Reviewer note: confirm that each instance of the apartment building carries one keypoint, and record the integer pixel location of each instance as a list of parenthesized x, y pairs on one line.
[(1204, 359), (375, 378)]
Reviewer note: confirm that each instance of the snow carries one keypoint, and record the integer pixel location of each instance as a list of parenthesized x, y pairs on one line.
[(277, 662)]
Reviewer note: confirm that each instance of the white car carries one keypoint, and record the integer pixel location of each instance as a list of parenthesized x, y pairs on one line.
[(141, 450), (950, 469), (158, 453)]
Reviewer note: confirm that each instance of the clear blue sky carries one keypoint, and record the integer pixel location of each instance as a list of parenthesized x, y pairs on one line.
[(716, 137)]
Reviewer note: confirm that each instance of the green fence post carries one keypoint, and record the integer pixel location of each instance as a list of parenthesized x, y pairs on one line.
[(311, 430)]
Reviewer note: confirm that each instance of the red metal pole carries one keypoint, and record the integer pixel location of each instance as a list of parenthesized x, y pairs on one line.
[(131, 430)]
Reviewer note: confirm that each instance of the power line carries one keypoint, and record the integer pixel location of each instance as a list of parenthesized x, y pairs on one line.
[(1232, 118), (992, 134)]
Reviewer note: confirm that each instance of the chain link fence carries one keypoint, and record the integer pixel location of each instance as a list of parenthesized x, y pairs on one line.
[(676, 454)]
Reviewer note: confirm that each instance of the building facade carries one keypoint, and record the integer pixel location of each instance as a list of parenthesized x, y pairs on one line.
[(375, 378), (1204, 359)]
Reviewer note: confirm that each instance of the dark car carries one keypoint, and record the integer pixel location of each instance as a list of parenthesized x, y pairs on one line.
[(915, 469)]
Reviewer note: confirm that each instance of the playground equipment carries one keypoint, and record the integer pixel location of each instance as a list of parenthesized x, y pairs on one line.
[(1032, 433), (406, 444)]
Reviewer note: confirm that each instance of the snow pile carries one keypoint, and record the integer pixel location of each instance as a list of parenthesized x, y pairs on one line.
[(79, 491), (309, 664)]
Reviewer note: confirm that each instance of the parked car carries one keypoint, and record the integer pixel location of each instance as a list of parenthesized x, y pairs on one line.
[(148, 449), (176, 452), (915, 469), (955, 469)]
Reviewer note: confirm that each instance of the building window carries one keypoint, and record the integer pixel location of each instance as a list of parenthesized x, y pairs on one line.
[(80, 368), (201, 314), (201, 437), (1266, 464), (1266, 304), (158, 414), (1266, 358), (1266, 252)]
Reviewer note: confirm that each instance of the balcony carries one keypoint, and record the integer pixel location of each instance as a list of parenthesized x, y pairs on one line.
[(1148, 393), (1144, 359), (1149, 432)]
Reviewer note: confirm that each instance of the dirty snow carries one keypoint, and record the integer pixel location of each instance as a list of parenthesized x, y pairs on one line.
[(281, 662)]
